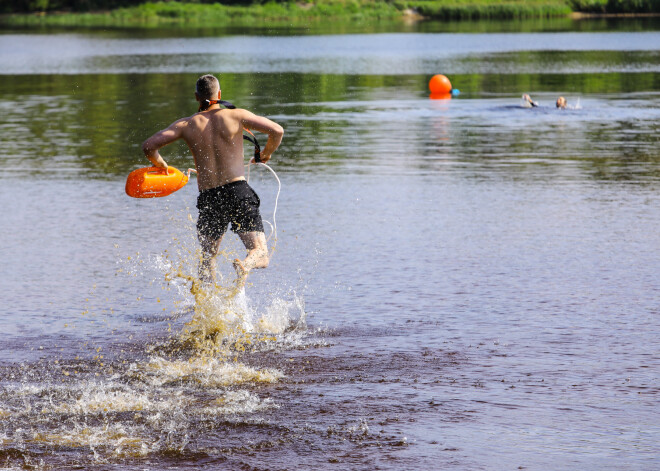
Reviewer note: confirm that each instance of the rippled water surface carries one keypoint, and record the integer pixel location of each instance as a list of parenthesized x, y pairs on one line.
[(465, 284)]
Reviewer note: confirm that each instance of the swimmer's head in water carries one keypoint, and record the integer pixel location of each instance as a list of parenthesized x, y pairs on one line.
[(207, 87), (561, 102)]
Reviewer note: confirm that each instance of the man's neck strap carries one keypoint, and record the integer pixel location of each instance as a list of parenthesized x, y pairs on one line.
[(206, 104)]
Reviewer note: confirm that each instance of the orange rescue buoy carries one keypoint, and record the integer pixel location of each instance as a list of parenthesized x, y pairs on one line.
[(153, 182), (439, 85)]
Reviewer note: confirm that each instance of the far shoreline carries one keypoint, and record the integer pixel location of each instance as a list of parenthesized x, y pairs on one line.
[(577, 15), (163, 14)]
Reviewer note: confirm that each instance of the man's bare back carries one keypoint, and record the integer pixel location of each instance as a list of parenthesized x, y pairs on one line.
[(215, 139)]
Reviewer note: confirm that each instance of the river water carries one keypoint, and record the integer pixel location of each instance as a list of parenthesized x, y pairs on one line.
[(456, 284)]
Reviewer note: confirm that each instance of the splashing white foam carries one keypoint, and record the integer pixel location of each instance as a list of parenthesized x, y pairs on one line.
[(234, 402), (103, 398), (154, 418), (118, 437), (205, 371), (277, 317)]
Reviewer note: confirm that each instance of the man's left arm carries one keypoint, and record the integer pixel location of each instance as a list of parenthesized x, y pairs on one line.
[(161, 139), (259, 123)]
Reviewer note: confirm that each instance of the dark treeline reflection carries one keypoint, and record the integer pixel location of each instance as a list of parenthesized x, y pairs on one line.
[(96, 123), (62, 126), (311, 26)]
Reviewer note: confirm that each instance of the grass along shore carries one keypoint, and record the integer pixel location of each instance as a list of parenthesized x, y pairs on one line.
[(218, 14)]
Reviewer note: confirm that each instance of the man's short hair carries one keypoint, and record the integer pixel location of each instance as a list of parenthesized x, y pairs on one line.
[(207, 87)]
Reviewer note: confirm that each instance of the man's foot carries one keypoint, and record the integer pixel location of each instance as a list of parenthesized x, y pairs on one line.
[(241, 272)]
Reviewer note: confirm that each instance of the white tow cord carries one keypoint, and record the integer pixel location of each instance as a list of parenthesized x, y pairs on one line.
[(273, 226)]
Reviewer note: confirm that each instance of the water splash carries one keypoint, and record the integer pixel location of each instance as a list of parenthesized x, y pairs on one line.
[(115, 437), (153, 396), (223, 320), (203, 371), (151, 407)]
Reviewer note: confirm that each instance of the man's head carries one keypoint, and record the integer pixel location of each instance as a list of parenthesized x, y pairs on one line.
[(561, 102), (207, 88)]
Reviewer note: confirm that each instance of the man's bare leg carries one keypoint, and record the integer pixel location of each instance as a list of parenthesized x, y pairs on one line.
[(207, 267), (257, 257)]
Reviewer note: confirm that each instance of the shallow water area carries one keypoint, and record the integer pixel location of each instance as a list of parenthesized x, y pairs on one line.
[(461, 284), (120, 401)]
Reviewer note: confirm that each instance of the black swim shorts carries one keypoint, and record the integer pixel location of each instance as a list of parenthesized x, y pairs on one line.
[(235, 202)]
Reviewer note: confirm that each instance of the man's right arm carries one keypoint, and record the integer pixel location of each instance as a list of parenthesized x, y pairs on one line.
[(160, 139), (258, 123)]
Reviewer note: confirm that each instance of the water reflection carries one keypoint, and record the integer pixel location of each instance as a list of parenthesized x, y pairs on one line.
[(94, 124), (314, 27)]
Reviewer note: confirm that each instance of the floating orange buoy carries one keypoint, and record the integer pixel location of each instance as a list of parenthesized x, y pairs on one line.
[(439, 85), (153, 182)]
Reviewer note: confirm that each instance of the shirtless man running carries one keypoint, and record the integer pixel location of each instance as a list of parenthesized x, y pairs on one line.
[(215, 139)]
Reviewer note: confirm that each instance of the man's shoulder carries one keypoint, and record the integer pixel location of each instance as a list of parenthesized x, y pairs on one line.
[(184, 121), (238, 111), (230, 114), (219, 112), (234, 111)]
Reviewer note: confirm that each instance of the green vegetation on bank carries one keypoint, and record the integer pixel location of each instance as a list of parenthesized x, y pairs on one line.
[(197, 12), (216, 14), (488, 9), (615, 6)]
